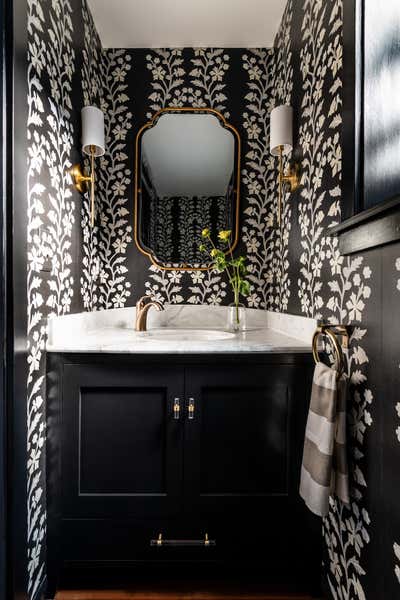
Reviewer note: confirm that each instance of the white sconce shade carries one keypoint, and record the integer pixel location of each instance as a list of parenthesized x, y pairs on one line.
[(92, 131), (281, 130)]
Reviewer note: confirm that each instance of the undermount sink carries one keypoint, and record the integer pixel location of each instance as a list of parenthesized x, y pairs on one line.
[(188, 335)]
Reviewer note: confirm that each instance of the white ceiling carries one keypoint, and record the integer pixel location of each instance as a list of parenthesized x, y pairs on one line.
[(187, 23)]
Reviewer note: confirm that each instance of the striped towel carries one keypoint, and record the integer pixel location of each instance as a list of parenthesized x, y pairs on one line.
[(324, 470)]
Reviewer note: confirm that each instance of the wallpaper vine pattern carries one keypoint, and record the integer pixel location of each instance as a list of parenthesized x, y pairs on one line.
[(92, 95), (114, 177), (321, 60), (346, 528), (51, 218), (174, 225), (53, 252), (257, 230), (396, 549), (210, 65), (38, 146), (165, 66), (329, 285), (282, 90)]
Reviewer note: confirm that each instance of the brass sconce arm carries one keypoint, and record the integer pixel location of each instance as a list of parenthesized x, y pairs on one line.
[(81, 181), (292, 178), (93, 144), (281, 142)]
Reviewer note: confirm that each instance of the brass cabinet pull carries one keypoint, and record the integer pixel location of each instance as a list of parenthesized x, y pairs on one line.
[(160, 542), (191, 409), (177, 408)]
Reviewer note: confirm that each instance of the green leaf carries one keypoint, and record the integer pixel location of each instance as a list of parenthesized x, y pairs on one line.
[(244, 287)]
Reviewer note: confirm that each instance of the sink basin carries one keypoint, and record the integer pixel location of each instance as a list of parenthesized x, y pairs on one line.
[(188, 335)]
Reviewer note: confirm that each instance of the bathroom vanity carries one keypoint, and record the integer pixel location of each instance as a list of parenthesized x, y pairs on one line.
[(169, 452)]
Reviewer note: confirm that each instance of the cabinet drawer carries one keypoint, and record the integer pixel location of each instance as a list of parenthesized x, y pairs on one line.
[(124, 540), (269, 543)]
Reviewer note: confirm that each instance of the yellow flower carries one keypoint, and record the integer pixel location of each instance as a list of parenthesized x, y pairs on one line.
[(224, 235), (214, 252), (205, 233)]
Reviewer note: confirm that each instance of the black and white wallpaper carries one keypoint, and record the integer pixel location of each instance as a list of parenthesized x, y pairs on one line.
[(296, 268), (358, 290), (60, 79)]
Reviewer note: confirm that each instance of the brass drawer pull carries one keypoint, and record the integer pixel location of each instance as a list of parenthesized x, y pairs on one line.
[(177, 408), (205, 543), (191, 409)]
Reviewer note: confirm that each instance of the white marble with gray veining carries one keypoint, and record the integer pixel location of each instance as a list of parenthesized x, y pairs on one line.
[(179, 329)]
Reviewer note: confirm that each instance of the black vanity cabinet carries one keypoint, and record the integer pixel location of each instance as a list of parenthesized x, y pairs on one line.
[(186, 446)]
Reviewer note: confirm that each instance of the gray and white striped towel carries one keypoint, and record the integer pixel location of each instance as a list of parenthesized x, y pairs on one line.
[(324, 471)]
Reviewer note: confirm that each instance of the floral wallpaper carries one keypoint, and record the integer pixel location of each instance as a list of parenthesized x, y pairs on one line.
[(324, 284), (321, 283), (54, 242), (174, 225)]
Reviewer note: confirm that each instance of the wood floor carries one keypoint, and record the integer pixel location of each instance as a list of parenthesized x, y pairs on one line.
[(170, 595), (179, 592)]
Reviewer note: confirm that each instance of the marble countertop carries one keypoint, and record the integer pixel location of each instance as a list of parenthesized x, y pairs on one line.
[(112, 331)]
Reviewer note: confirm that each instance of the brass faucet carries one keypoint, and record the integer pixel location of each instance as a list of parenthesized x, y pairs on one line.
[(142, 308)]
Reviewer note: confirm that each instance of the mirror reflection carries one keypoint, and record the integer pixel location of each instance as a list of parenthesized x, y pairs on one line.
[(187, 165)]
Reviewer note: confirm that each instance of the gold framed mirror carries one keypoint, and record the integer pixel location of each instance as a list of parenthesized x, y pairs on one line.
[(187, 178)]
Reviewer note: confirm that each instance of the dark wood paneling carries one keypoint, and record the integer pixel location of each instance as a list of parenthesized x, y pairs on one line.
[(17, 297), (381, 84), (371, 181)]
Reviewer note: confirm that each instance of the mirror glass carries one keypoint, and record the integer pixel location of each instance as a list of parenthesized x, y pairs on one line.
[(187, 180)]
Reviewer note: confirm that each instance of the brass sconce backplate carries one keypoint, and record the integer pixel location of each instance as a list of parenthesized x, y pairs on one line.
[(292, 177), (80, 180)]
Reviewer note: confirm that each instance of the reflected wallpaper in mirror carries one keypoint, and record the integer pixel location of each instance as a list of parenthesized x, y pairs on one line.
[(188, 176)]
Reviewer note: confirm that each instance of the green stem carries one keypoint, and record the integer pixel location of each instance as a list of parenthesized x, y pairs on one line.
[(230, 277), (236, 295)]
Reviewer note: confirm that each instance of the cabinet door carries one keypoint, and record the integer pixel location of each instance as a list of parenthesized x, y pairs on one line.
[(121, 441), (242, 451)]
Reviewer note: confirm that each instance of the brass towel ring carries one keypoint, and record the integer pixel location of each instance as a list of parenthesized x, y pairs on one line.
[(333, 339)]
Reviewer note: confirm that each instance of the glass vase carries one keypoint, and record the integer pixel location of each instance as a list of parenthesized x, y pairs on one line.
[(236, 317)]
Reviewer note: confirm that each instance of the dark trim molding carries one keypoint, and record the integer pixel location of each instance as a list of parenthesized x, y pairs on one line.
[(374, 227), (360, 229), (352, 110), (16, 296), (4, 461)]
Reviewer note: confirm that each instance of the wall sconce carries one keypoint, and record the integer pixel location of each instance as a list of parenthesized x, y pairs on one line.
[(281, 142), (92, 145)]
